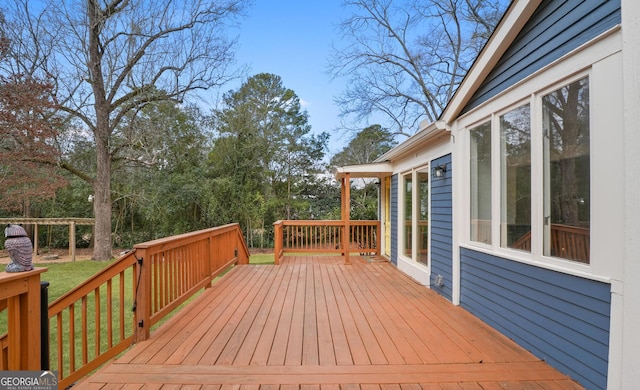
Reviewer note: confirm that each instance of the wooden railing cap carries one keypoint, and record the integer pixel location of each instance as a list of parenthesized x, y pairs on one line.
[(10, 276)]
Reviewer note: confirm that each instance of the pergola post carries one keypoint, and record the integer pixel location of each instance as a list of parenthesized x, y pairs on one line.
[(36, 249), (72, 240), (346, 215)]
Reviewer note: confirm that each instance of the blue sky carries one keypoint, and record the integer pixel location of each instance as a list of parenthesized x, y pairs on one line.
[(292, 39)]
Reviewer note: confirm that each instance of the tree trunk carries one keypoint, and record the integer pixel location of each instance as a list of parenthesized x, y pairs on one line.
[(102, 202), (102, 133)]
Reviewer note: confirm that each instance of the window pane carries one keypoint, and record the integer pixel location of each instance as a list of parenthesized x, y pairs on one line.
[(481, 183), (515, 179), (423, 214), (408, 212), (567, 172)]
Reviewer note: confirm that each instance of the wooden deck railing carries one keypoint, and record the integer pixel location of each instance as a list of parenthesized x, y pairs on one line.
[(20, 297), (94, 322), (567, 242), (570, 242), (325, 237)]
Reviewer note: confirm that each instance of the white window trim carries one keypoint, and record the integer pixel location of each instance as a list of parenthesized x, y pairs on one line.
[(602, 58), (401, 215), (497, 179), (415, 204), (536, 256)]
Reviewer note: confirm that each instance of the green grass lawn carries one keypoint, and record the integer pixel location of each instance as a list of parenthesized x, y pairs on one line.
[(262, 258), (62, 277)]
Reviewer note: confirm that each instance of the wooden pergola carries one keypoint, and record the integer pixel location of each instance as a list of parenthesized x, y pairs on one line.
[(72, 222)]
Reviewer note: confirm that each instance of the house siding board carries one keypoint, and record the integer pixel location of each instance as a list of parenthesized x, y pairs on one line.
[(440, 214), (561, 318), (441, 239), (443, 197), (537, 298), (441, 228), (440, 249), (555, 29), (394, 219)]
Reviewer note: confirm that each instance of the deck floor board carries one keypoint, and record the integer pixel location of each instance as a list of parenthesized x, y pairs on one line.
[(314, 323)]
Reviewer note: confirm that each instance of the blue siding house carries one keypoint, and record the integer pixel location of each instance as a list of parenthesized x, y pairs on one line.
[(520, 203)]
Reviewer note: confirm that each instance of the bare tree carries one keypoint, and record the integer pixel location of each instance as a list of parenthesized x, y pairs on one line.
[(405, 59), (110, 58)]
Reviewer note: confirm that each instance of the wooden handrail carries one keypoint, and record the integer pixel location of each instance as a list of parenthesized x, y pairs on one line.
[(20, 296), (152, 279), (325, 237)]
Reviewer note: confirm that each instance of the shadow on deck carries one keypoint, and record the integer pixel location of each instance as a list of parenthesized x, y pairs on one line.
[(313, 322)]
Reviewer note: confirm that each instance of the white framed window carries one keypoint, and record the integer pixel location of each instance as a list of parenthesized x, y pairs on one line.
[(515, 178), (566, 171), (480, 183), (529, 171)]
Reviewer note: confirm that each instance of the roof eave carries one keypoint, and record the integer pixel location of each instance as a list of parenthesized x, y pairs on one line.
[(503, 36), (427, 133), (510, 25)]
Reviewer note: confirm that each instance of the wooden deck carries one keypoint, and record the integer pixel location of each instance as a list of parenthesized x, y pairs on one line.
[(314, 323)]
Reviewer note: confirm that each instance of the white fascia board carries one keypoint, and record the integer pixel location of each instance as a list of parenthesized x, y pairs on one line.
[(428, 132), (512, 22), (375, 169)]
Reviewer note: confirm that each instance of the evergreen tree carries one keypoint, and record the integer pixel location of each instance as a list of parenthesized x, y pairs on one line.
[(263, 153)]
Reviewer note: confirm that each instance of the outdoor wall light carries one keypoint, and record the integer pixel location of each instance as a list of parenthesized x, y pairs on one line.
[(439, 170)]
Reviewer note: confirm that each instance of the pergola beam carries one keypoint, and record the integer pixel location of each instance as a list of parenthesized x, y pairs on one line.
[(48, 221)]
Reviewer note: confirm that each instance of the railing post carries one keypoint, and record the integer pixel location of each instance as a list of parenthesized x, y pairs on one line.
[(22, 293), (208, 266), (346, 215), (143, 299), (44, 326), (277, 241), (378, 234)]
